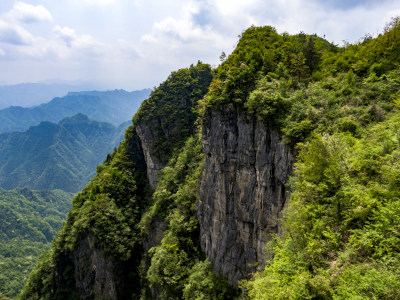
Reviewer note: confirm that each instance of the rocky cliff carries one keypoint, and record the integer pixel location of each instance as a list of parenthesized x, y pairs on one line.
[(154, 163), (243, 190)]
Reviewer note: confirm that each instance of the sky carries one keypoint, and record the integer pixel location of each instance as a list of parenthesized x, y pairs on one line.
[(135, 44)]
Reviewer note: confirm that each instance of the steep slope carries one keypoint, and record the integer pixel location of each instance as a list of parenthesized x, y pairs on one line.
[(166, 119), (243, 190), (56, 156), (99, 250), (112, 107), (247, 167), (29, 221)]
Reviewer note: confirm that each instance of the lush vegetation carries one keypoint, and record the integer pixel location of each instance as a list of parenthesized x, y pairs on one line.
[(338, 108), (169, 111), (28, 222), (56, 156), (341, 230), (112, 107), (111, 206)]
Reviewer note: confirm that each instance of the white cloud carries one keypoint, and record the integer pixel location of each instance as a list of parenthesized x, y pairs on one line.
[(393, 13), (14, 34), (29, 13), (137, 40), (129, 49), (73, 40), (65, 33), (100, 2), (188, 35), (234, 7)]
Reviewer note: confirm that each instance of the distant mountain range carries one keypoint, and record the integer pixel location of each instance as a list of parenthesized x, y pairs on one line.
[(31, 94), (114, 107), (56, 156)]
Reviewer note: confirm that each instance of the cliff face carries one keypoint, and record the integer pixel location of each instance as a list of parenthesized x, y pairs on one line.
[(96, 275), (243, 190), (148, 136)]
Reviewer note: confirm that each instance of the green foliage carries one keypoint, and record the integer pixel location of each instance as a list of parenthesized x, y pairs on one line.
[(341, 229), (28, 222), (169, 111), (175, 200), (261, 52), (301, 83), (109, 208), (266, 101), (203, 284), (56, 156), (2, 297)]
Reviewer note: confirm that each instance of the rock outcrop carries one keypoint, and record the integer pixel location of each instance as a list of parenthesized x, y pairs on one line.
[(243, 190), (148, 136), (96, 276)]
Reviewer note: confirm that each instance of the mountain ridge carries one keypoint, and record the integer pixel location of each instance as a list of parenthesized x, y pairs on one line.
[(56, 156), (113, 107)]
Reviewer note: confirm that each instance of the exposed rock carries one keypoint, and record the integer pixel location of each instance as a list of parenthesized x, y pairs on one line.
[(243, 190), (97, 275), (148, 136)]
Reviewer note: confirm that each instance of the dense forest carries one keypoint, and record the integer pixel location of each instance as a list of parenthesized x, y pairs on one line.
[(56, 156), (29, 220), (336, 108)]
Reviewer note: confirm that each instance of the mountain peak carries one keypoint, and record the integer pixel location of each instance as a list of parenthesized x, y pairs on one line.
[(76, 119)]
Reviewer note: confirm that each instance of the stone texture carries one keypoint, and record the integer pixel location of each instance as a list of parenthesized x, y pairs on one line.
[(243, 190), (94, 272), (147, 135)]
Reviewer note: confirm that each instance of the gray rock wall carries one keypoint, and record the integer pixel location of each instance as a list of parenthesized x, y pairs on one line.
[(243, 190), (147, 135)]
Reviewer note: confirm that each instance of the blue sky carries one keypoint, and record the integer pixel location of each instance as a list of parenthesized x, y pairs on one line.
[(134, 44)]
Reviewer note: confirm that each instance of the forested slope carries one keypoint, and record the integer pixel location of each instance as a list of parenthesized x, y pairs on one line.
[(56, 156), (102, 228), (199, 218), (29, 220)]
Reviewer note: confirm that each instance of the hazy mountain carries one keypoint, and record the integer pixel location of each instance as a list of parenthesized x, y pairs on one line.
[(114, 107), (31, 94), (28, 222), (56, 156)]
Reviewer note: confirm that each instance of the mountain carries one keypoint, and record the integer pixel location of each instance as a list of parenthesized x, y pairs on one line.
[(274, 176), (28, 222), (31, 94), (113, 107), (56, 156)]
